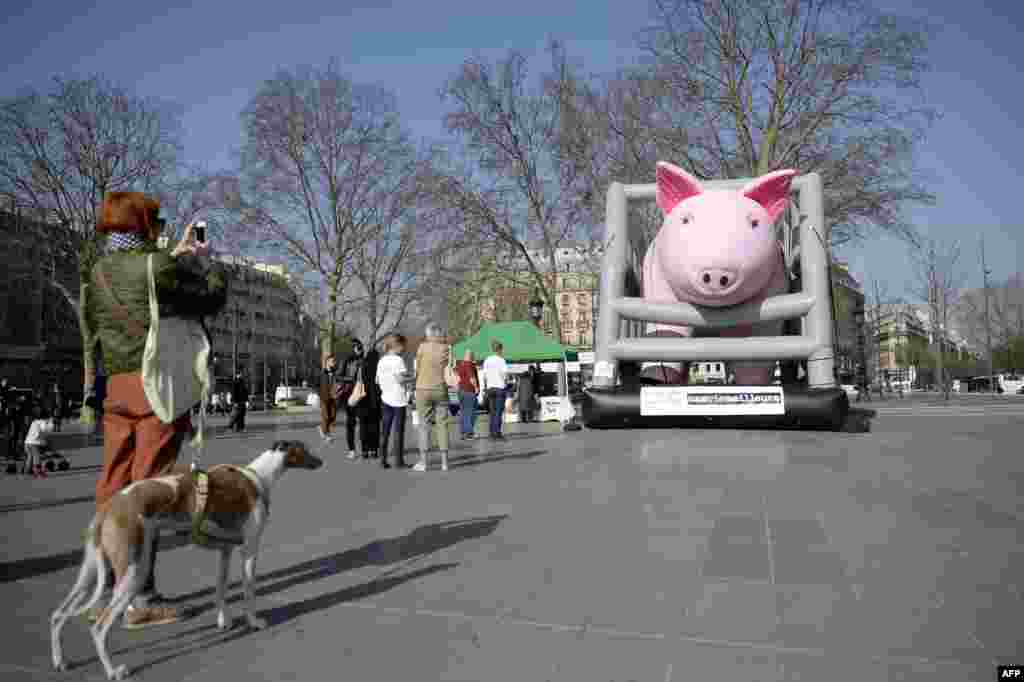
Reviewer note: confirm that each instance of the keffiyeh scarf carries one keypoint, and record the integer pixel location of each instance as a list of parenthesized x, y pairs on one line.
[(124, 241)]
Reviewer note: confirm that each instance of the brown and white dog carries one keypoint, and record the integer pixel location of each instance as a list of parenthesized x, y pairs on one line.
[(121, 537)]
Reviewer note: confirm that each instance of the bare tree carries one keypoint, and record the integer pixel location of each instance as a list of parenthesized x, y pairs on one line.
[(1005, 318), (194, 193), (736, 88), (391, 272), (518, 186), (62, 150), (321, 160), (938, 281)]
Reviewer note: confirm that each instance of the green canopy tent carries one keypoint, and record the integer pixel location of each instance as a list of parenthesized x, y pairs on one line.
[(522, 342)]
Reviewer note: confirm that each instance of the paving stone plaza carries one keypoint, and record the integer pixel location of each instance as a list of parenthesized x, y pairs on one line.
[(596, 556)]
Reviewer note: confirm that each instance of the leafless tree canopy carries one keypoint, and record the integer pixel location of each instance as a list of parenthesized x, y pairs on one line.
[(1005, 313), (62, 150), (939, 278), (512, 180), (326, 170), (737, 88)]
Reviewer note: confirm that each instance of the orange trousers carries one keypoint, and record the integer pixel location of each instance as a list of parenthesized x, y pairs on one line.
[(136, 444)]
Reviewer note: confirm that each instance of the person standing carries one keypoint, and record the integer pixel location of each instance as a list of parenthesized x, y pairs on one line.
[(136, 444), (239, 403), (349, 375), (495, 373), (36, 443), (7, 416), (527, 393), (328, 397), (465, 369), (59, 406), (369, 408), (432, 394), (392, 377)]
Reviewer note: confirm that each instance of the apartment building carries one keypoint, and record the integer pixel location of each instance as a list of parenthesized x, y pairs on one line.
[(573, 282), (40, 340), (263, 330)]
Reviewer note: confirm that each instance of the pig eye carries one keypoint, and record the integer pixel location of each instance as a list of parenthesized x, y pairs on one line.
[(754, 222), (687, 219)]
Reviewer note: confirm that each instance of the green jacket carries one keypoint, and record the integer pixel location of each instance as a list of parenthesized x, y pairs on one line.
[(117, 300)]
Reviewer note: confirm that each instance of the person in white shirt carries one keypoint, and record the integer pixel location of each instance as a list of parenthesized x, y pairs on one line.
[(36, 444), (393, 377), (495, 380)]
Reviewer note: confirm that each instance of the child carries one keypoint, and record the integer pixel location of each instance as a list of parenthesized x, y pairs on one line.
[(36, 443), (392, 377)]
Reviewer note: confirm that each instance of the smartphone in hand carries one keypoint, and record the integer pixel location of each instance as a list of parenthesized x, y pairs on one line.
[(199, 231)]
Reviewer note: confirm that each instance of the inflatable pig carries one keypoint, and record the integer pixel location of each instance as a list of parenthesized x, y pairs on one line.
[(718, 248)]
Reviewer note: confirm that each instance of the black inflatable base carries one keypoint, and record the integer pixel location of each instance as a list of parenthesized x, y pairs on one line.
[(806, 408)]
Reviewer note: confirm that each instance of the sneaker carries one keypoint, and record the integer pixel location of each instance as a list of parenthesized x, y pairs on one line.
[(351, 454), (420, 466), (40, 472), (136, 618), (323, 436)]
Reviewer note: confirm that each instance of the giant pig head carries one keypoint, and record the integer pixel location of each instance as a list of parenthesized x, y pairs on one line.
[(718, 247)]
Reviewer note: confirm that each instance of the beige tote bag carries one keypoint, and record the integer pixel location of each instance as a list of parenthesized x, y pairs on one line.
[(175, 375)]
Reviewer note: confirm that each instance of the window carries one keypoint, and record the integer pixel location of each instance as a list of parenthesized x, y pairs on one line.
[(565, 299), (581, 298)]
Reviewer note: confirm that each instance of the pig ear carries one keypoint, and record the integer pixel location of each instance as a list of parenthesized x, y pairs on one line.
[(771, 191), (674, 185)]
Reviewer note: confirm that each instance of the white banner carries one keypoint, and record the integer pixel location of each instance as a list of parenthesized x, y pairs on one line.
[(549, 408), (658, 401)]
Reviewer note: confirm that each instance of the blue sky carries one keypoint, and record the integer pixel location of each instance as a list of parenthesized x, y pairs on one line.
[(210, 57)]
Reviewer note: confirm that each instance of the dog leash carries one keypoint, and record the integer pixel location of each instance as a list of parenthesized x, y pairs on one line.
[(200, 477)]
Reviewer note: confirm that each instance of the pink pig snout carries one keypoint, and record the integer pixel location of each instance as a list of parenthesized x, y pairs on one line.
[(717, 281)]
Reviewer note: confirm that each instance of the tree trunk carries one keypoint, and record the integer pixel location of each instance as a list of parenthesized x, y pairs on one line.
[(88, 415), (332, 322)]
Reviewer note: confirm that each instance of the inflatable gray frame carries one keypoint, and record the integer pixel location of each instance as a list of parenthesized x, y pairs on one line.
[(621, 316)]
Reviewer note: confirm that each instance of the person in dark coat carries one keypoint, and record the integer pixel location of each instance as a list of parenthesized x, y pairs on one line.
[(527, 393), (239, 403), (59, 407), (368, 410), (6, 412), (347, 377)]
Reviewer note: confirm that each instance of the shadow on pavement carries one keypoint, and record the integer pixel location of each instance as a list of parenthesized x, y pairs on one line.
[(418, 544), (858, 420), (13, 571), (486, 458), (276, 616), (421, 542), (45, 504)]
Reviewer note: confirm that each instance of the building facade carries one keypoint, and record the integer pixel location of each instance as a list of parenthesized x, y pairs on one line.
[(572, 282), (40, 338), (262, 331)]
